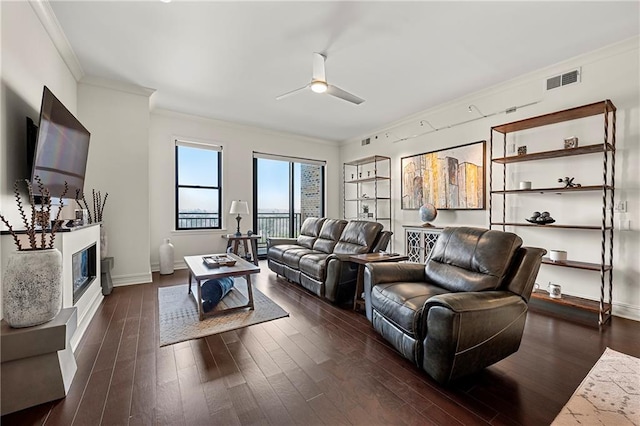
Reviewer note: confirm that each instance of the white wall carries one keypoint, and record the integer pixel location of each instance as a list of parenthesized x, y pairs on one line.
[(29, 62), (118, 164), (610, 73), (238, 143)]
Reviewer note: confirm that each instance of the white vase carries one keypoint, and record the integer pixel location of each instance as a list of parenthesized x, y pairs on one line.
[(166, 257), (104, 243), (32, 287)]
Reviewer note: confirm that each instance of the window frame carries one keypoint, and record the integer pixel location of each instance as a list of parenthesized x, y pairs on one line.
[(204, 146)]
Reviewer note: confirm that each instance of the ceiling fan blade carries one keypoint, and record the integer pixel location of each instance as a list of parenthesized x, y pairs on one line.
[(293, 92), (339, 93), (318, 67)]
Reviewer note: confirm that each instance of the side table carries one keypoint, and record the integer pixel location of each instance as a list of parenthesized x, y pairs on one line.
[(105, 275), (363, 259), (37, 362), (234, 240)]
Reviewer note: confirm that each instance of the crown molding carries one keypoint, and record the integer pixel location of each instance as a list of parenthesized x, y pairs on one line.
[(240, 126), (45, 14), (117, 85)]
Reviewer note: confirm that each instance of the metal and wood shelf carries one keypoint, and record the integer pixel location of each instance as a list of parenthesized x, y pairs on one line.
[(607, 148), (372, 176)]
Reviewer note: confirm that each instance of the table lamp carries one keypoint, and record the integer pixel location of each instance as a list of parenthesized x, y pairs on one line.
[(239, 207)]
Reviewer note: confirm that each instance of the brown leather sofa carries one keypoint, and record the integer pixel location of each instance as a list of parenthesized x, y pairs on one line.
[(462, 311), (318, 258)]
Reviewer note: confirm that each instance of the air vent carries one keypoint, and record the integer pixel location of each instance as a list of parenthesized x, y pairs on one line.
[(366, 141), (563, 79)]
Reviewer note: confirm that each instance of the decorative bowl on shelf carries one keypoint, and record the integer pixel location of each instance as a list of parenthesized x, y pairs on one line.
[(540, 222)]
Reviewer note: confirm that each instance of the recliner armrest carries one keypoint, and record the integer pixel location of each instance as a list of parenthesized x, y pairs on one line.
[(277, 241), (469, 301), (384, 272), (467, 331)]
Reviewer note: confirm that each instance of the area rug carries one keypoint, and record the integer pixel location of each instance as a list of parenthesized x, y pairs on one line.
[(609, 395), (178, 313)]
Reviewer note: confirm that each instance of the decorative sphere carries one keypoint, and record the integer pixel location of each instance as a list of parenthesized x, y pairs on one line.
[(249, 233), (427, 212)]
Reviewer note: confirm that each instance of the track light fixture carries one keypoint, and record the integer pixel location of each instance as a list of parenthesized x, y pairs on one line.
[(470, 109)]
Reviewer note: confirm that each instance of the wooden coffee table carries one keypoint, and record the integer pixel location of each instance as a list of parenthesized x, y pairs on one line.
[(201, 272), (363, 259)]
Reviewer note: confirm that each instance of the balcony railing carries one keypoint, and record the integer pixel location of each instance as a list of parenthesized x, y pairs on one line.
[(195, 220), (275, 225)]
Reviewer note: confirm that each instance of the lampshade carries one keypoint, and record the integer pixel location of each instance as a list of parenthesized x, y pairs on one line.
[(239, 207)]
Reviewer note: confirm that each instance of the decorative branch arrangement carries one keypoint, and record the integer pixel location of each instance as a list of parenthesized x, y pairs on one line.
[(39, 220), (98, 204)]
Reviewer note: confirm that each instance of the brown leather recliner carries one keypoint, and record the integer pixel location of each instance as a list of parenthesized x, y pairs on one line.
[(462, 311)]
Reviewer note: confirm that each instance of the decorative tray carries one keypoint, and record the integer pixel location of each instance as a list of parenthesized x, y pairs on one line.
[(217, 261), (541, 222)]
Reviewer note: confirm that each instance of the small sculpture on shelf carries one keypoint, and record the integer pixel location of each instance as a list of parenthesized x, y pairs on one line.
[(541, 218), (568, 182), (571, 142)]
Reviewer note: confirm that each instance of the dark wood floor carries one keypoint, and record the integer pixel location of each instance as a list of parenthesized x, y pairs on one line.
[(322, 365)]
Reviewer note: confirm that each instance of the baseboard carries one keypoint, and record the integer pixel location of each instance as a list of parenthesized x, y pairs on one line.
[(178, 264), (122, 280), (624, 310), (84, 322)]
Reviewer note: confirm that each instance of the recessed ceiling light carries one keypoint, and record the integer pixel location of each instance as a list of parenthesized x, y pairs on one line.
[(165, 1)]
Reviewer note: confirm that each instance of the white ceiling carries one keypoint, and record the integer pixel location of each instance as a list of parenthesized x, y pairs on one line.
[(229, 60)]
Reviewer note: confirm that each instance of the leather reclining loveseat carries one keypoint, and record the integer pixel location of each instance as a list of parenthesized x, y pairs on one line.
[(462, 311), (318, 258)]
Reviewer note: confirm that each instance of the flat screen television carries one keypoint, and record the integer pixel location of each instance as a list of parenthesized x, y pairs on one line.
[(61, 149)]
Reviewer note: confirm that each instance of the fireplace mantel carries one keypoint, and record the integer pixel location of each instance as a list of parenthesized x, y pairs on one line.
[(70, 242)]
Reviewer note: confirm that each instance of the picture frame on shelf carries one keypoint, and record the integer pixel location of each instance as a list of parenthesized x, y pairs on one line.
[(449, 178)]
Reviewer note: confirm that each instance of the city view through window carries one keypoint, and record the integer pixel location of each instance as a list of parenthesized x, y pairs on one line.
[(287, 193)]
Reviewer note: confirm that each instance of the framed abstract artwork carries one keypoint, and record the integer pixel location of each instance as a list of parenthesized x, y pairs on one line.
[(450, 179)]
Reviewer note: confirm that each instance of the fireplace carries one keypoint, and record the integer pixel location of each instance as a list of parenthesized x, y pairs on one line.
[(83, 270)]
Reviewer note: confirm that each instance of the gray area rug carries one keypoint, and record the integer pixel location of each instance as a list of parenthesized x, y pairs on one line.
[(609, 395), (178, 313)]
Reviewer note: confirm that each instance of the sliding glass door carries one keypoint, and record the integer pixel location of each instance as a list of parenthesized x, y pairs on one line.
[(286, 191)]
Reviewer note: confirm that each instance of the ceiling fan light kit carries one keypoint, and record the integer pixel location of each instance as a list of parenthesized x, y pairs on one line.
[(319, 84)]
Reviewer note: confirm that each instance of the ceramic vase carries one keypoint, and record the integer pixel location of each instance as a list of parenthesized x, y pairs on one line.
[(166, 257), (104, 243), (32, 287)]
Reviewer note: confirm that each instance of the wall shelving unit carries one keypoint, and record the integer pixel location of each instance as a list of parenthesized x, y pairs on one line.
[(367, 189), (607, 149)]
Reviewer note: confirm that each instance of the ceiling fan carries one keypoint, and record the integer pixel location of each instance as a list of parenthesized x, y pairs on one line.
[(319, 83)]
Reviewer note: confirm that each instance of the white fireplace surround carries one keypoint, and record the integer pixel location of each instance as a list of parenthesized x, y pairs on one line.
[(70, 243)]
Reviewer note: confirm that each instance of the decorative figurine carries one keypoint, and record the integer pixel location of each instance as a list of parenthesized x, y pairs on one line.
[(568, 182), (571, 142), (541, 218)]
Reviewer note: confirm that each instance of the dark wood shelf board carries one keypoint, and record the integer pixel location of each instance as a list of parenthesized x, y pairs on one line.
[(554, 190), (367, 160), (545, 155), (369, 179), (368, 199), (576, 264), (595, 108), (550, 226), (572, 301)]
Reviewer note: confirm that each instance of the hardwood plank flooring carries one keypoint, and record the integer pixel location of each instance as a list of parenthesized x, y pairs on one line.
[(322, 365)]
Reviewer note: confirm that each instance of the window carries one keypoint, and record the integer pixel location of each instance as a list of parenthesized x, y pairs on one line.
[(198, 185), (286, 191)]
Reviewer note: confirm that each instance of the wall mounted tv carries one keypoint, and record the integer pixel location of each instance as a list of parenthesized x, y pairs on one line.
[(61, 149)]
